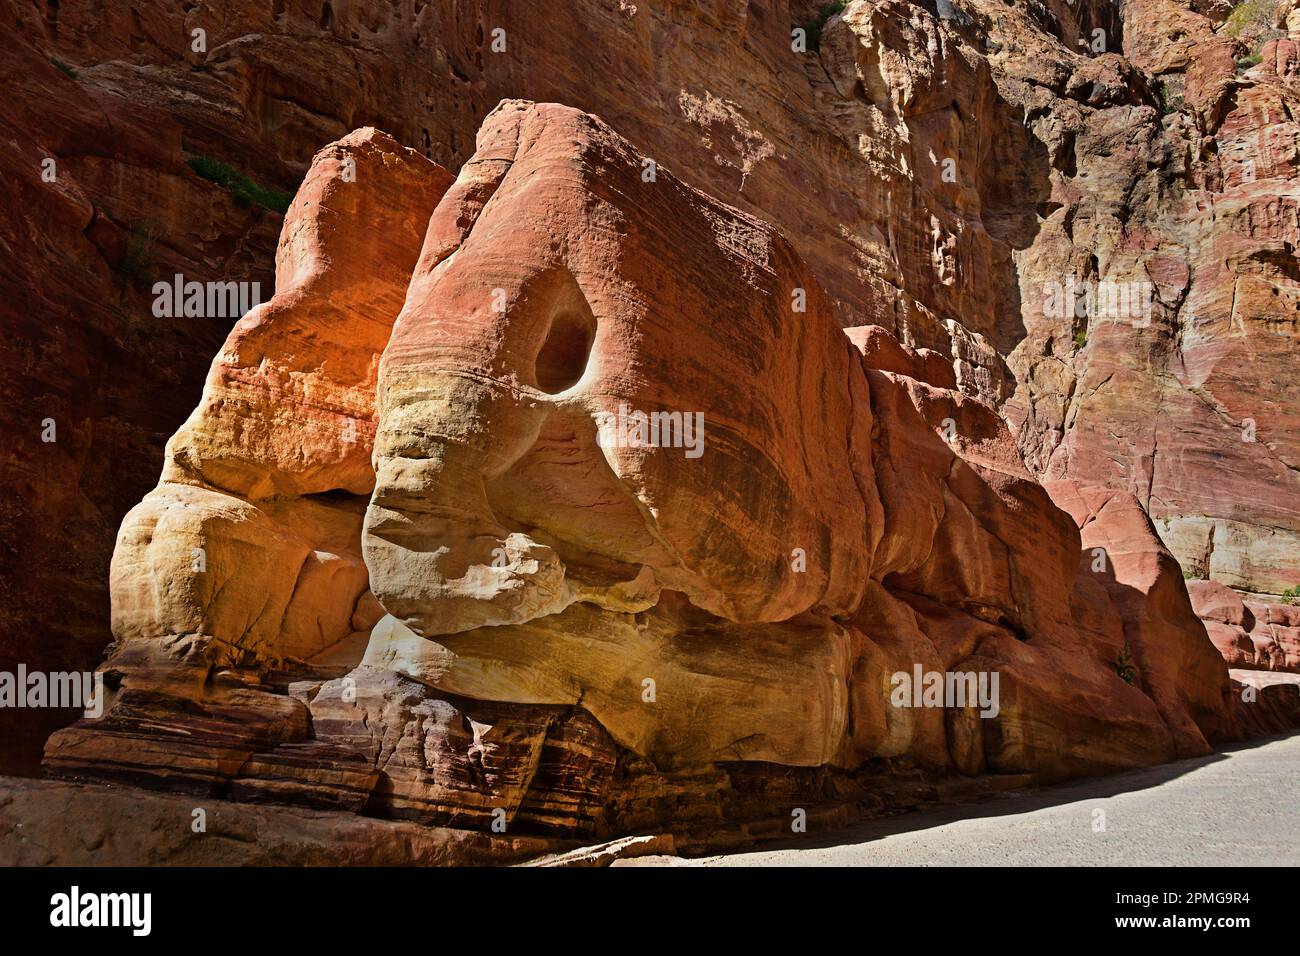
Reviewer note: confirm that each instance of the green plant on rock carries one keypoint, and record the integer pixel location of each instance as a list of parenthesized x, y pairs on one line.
[(1124, 666), (1291, 595), (136, 266), (1254, 23), (243, 190), (1170, 102), (1250, 17), (813, 29), (64, 67)]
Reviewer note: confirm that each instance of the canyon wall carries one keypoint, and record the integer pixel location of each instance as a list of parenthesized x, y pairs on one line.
[(1077, 216), (489, 595)]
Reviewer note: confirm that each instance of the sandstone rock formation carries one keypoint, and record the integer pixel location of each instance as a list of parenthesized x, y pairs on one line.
[(427, 576), (951, 175), (1174, 195), (1249, 634), (1176, 665), (46, 823), (255, 525), (597, 621)]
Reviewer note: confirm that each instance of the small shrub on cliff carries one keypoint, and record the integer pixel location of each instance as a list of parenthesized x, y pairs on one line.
[(1254, 23), (242, 189), (1291, 595), (1081, 338), (64, 67), (1124, 665), (1170, 102), (813, 30), (136, 267), (1250, 18)]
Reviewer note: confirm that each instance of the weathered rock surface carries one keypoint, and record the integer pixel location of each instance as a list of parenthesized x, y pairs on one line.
[(1249, 634), (592, 629), (1175, 664), (98, 203), (1267, 702), (945, 174), (48, 823), (1014, 221), (1159, 298), (252, 537)]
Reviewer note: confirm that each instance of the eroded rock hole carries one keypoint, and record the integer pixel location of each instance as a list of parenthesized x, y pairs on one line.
[(563, 356)]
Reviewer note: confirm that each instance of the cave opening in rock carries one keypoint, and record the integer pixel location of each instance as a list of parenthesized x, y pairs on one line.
[(563, 356)]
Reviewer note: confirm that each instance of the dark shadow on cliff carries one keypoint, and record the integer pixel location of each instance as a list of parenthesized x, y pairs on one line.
[(1015, 189)]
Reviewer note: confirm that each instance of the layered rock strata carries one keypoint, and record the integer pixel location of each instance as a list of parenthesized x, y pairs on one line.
[(1250, 634), (649, 538), (1086, 212)]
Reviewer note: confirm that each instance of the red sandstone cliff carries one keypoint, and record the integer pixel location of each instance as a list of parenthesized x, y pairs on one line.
[(1082, 221)]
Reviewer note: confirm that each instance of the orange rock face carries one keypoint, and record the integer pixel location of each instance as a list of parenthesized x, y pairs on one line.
[(589, 612), (255, 526), (429, 563), (537, 393), (1176, 665), (1249, 634), (1167, 373)]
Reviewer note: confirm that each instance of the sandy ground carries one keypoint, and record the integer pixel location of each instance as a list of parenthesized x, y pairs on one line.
[(1238, 807)]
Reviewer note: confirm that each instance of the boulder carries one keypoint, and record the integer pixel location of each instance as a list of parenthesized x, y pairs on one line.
[(646, 533), (252, 537)]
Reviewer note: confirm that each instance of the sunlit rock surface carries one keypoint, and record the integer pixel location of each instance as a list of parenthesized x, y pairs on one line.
[(584, 621)]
